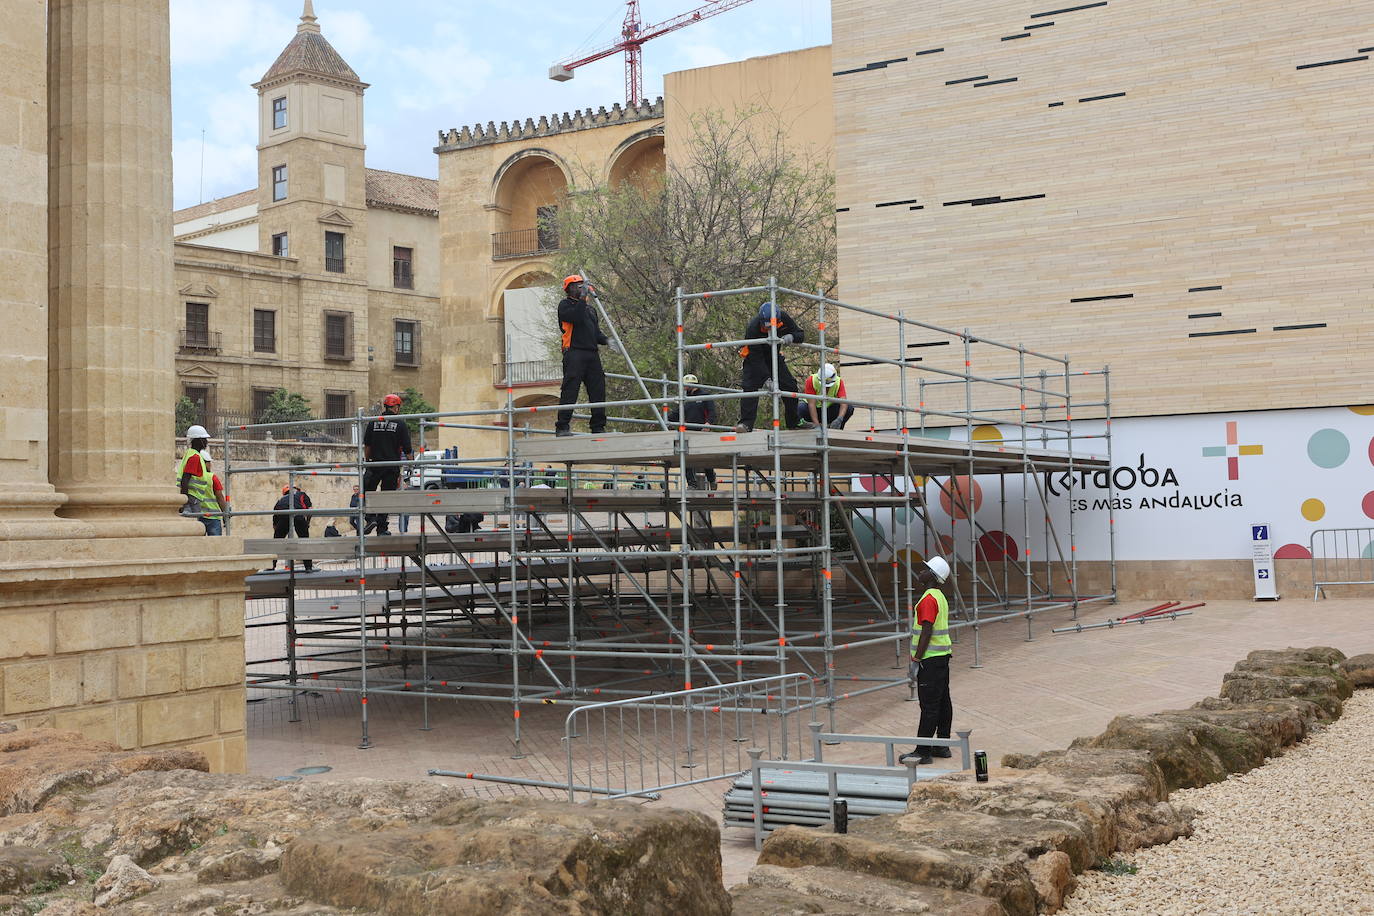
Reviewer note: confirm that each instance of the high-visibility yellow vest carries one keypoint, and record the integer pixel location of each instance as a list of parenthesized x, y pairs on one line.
[(829, 390), (940, 643), (202, 488)]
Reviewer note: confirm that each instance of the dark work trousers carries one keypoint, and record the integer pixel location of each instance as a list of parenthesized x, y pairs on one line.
[(281, 525), (582, 367), (932, 691), (384, 479), (756, 372), (834, 411)]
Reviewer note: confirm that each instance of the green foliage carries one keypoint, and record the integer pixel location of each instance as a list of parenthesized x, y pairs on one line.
[(187, 415), (1117, 866), (737, 207), (414, 402), (286, 407)]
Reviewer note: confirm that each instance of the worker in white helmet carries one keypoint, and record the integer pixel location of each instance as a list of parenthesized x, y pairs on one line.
[(197, 482), (696, 415), (931, 651), (828, 384)]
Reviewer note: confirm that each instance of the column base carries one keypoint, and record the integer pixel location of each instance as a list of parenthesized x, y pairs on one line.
[(29, 513), (129, 512)]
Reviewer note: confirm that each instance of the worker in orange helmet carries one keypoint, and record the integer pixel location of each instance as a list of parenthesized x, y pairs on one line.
[(386, 439), (581, 336)]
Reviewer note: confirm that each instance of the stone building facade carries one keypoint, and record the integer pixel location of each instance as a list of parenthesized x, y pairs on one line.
[(119, 618), (500, 187), (324, 279)]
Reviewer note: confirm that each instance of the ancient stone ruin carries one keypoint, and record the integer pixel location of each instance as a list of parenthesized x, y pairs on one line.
[(87, 829)]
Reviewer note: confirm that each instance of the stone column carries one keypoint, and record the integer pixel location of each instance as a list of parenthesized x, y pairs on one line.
[(27, 501), (110, 276)]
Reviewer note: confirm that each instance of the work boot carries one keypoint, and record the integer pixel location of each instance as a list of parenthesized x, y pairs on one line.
[(561, 433), (921, 757), (941, 752), (803, 424), (743, 428)]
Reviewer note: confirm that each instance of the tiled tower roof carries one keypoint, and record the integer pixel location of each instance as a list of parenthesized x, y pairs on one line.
[(310, 53)]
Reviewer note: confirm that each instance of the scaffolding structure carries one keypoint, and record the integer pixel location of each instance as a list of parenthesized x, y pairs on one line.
[(615, 577)]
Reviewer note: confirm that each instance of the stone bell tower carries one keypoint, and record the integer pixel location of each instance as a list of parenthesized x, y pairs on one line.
[(311, 181)]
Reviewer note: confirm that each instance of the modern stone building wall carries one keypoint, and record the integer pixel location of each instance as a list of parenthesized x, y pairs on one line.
[(1178, 189)]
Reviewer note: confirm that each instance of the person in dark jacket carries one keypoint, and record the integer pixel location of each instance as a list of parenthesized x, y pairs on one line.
[(292, 498), (581, 336), (385, 439), (699, 415), (758, 365)]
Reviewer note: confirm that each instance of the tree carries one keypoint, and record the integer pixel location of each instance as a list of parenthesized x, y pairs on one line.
[(286, 407), (187, 414), (414, 402), (739, 205)]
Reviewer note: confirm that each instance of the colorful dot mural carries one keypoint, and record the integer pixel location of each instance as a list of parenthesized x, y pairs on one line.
[(1371, 451), (1313, 509), (960, 496), (997, 545), (1368, 552), (986, 434), (1292, 552), (1328, 448), (1365, 410), (909, 557), (1367, 504), (874, 484)]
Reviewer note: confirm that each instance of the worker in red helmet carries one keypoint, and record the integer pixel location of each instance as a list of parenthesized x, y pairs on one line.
[(581, 336), (385, 439)]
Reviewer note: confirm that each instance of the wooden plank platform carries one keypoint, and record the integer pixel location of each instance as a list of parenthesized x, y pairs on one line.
[(851, 452), (547, 501)]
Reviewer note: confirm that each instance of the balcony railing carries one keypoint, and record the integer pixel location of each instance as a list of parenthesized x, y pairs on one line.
[(521, 243), (198, 341), (528, 372)]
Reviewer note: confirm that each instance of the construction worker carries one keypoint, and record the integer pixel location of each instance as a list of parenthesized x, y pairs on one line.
[(828, 384), (293, 498), (197, 482), (696, 415), (385, 439), (758, 365), (931, 650), (581, 336)]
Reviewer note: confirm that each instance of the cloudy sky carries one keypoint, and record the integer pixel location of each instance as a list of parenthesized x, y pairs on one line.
[(435, 64)]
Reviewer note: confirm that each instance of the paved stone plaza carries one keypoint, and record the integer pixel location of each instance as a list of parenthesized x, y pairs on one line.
[(1029, 696)]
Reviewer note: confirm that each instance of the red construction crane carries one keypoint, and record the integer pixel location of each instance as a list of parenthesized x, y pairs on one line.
[(633, 34)]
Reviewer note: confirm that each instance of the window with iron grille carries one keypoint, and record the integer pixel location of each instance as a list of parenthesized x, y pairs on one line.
[(338, 404), (334, 252), (197, 324), (262, 397), (338, 335), (279, 182), (402, 276), (199, 396), (281, 245), (407, 343), (279, 113), (264, 331)]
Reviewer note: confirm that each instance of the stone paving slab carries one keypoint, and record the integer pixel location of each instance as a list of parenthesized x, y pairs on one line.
[(1028, 696)]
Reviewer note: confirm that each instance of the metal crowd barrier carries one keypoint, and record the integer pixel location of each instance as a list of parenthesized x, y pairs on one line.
[(1341, 556)]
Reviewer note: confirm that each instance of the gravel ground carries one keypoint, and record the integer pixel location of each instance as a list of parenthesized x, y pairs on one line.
[(1295, 836)]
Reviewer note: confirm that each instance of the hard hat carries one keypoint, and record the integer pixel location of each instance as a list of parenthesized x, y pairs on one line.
[(197, 432), (285, 490), (689, 379), (767, 309), (828, 372), (938, 566), (569, 281), (392, 400)]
